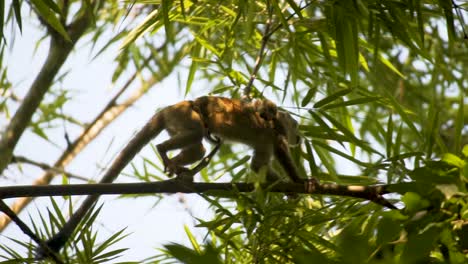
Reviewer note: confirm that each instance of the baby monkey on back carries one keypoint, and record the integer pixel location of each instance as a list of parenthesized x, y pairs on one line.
[(258, 124)]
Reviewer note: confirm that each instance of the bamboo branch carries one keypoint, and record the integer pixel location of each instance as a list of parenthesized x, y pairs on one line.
[(47, 167), (370, 193)]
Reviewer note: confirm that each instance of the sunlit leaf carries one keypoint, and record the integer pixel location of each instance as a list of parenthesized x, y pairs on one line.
[(148, 24), (44, 10), (332, 98)]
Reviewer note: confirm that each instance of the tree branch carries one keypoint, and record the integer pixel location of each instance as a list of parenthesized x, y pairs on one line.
[(370, 193), (47, 167)]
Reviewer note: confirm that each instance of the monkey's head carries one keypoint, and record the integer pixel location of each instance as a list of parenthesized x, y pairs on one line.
[(287, 125), (266, 108)]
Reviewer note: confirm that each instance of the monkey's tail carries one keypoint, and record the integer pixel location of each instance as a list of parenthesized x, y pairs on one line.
[(152, 128)]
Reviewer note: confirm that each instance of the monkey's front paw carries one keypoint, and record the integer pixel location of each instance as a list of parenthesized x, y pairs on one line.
[(173, 169)]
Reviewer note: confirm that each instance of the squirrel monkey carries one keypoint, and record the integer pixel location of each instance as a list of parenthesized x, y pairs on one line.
[(257, 124)]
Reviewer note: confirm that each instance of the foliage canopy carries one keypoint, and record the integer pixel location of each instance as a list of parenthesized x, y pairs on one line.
[(379, 88)]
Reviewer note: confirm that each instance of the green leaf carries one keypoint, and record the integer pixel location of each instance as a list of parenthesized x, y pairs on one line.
[(389, 135), (182, 253), (311, 160), (166, 7), (346, 36), (414, 202), (310, 93), (465, 151), (420, 17), (453, 160), (353, 244), (435, 172), (52, 5), (388, 230), (459, 124), (419, 245), (193, 68), (447, 7), (403, 113), (332, 97), (358, 101), (146, 25), (44, 10), (405, 156), (432, 129), (347, 132), (339, 153), (192, 239), (390, 66), (207, 45)]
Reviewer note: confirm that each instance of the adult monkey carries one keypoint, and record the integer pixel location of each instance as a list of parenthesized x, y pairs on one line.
[(257, 124)]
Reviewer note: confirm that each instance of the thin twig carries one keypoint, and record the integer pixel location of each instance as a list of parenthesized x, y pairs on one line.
[(47, 167), (258, 61), (287, 19), (261, 53)]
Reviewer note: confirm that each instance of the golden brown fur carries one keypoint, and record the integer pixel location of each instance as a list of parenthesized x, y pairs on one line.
[(232, 120)]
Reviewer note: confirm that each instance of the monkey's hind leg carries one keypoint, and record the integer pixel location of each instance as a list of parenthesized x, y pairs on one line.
[(188, 174), (185, 141)]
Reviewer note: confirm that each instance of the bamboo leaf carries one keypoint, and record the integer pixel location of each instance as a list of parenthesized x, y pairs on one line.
[(193, 69), (390, 66), (447, 7), (52, 5), (295, 7), (389, 135), (432, 129), (45, 12), (419, 17), (332, 97), (146, 25), (207, 45), (358, 101), (459, 124), (348, 133), (193, 240), (403, 113), (166, 7), (310, 93), (340, 153)]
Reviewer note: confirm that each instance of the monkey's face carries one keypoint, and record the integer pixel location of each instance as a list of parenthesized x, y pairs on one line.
[(291, 127)]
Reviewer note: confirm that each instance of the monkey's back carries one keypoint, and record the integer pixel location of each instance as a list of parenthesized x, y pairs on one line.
[(231, 120)]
